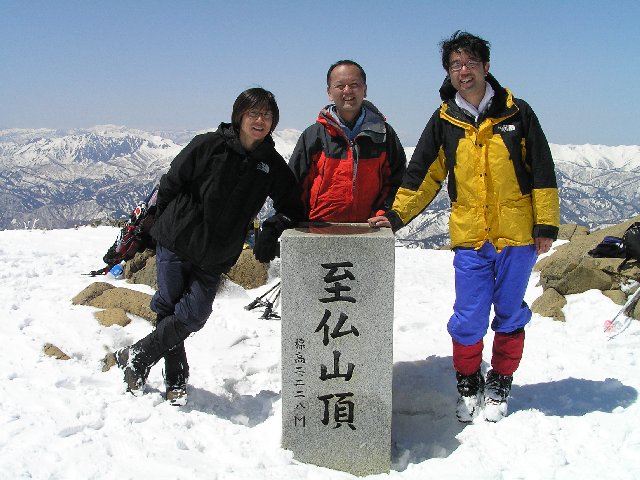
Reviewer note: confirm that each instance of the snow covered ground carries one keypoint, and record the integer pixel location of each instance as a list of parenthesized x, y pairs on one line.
[(574, 411)]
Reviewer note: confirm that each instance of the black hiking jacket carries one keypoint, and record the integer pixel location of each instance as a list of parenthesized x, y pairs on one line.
[(213, 190)]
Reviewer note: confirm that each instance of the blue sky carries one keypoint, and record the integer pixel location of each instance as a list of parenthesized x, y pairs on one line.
[(180, 64)]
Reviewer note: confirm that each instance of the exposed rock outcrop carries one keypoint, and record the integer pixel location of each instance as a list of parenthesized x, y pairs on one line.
[(52, 351), (570, 269), (248, 272), (112, 316), (115, 301)]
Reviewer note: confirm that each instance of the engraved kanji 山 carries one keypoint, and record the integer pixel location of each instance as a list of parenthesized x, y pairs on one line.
[(336, 369)]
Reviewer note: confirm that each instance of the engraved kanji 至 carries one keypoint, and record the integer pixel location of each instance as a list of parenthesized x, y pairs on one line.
[(338, 288)]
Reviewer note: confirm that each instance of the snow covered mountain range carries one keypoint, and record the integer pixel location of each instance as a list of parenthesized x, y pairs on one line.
[(59, 179)]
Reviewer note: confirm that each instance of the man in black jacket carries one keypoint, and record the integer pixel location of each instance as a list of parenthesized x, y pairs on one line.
[(206, 201)]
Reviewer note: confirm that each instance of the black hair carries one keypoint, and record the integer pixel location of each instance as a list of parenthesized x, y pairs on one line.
[(460, 41), (252, 98), (346, 62)]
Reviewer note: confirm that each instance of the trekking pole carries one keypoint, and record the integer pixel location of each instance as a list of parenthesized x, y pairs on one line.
[(95, 273), (268, 311), (273, 296), (622, 320), (259, 301)]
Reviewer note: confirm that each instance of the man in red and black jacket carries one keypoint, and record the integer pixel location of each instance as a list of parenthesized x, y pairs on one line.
[(350, 163)]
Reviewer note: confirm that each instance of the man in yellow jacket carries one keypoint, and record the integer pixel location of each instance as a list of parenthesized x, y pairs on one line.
[(504, 212)]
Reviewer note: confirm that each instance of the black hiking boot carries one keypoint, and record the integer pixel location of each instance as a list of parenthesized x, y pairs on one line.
[(496, 393), (176, 372), (136, 360), (177, 395), (176, 375), (470, 389), (135, 373)]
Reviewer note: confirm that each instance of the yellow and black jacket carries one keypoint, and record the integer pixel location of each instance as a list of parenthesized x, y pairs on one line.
[(502, 182)]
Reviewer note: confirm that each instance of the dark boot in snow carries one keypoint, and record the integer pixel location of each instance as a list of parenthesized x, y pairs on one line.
[(108, 361), (177, 396), (135, 375), (136, 360), (470, 388), (496, 393), (176, 375)]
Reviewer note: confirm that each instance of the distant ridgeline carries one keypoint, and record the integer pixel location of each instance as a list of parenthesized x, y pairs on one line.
[(60, 179)]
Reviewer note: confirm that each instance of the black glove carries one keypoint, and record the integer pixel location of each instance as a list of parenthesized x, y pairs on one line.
[(267, 246)]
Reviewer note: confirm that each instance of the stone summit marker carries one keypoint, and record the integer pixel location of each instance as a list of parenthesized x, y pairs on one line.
[(337, 346)]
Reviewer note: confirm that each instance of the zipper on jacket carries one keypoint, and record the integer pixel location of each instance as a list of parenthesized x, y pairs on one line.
[(355, 154)]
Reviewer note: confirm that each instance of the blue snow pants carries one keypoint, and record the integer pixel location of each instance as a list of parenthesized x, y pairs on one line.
[(184, 290), (484, 277)]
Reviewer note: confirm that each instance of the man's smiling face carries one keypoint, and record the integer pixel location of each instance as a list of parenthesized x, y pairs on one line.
[(347, 90), (468, 80)]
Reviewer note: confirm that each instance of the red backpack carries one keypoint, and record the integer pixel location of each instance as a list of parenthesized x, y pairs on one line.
[(134, 236)]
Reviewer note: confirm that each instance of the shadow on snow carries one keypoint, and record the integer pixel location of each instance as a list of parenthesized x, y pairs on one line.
[(248, 410), (424, 425)]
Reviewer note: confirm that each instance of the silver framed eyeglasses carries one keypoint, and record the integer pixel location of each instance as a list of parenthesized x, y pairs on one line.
[(470, 64), (254, 114)]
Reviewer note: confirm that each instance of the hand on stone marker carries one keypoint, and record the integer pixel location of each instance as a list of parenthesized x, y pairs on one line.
[(379, 221)]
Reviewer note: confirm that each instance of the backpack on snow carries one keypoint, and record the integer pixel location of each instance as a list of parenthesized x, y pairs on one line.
[(609, 247), (631, 241), (134, 236), (627, 247)]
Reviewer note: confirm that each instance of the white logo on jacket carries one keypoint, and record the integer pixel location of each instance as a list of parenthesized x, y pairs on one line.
[(263, 167), (506, 128)]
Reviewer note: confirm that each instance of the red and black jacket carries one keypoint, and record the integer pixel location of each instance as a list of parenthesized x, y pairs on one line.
[(345, 181)]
